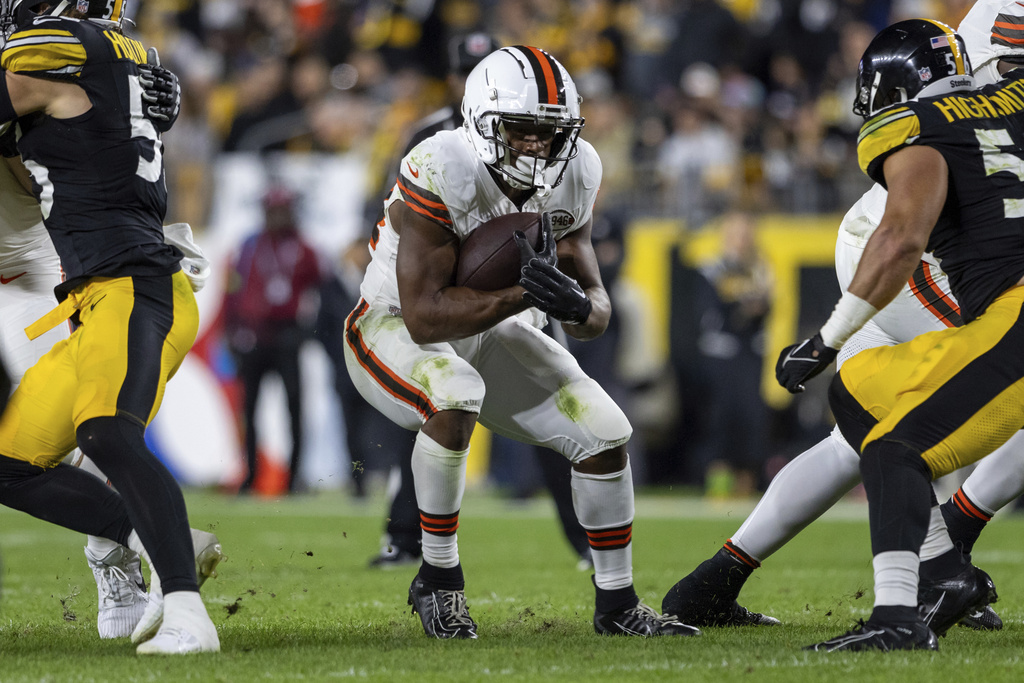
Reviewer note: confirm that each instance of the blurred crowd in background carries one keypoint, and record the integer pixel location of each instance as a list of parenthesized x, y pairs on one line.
[(698, 108)]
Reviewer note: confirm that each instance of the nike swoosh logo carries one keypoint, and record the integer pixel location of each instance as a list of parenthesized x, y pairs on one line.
[(790, 356), (415, 173), (836, 643), (6, 280)]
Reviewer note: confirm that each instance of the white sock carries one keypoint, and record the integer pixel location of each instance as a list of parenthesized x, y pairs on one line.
[(100, 547), (800, 493), (896, 578), (604, 506), (937, 541), (439, 476), (999, 476)]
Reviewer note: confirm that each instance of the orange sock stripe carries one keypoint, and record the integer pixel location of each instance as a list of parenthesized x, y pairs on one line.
[(439, 525), (740, 555), (611, 545), (610, 539), (968, 508)]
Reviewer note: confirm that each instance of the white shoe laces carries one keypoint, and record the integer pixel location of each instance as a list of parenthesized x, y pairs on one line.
[(455, 605), (111, 581)]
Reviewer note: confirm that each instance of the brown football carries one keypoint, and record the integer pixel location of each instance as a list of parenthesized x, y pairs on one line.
[(489, 257)]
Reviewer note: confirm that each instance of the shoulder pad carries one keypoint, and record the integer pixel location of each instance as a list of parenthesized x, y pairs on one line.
[(590, 165), (417, 181), (47, 46), (884, 134)]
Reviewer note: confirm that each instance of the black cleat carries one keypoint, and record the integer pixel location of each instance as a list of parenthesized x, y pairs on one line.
[(880, 636), (945, 602), (443, 613), (704, 604), (984, 619), (640, 620)]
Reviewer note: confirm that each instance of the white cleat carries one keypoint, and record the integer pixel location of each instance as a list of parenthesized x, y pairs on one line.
[(187, 629), (122, 591), (208, 555), (176, 641)]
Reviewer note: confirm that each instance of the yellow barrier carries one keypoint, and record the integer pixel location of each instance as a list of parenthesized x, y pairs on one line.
[(788, 242)]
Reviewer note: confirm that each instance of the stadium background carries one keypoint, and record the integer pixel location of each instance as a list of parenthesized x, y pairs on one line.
[(695, 106)]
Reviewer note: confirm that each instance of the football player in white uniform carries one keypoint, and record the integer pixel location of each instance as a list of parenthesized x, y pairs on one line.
[(437, 358), (29, 272), (815, 480)]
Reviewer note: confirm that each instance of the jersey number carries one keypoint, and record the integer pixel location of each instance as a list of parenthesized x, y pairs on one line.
[(143, 128), (148, 169), (998, 161)]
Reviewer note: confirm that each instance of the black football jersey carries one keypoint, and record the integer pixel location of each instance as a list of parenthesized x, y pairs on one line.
[(99, 176), (980, 133)]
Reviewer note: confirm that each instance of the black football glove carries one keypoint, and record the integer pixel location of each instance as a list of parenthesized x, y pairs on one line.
[(800, 362), (161, 94), (555, 293), (547, 253)]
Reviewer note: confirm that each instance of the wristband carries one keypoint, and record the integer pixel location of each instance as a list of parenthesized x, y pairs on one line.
[(849, 315)]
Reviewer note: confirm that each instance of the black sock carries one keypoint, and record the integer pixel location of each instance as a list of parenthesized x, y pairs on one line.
[(66, 496), (726, 571), (894, 614), (615, 599), (964, 520), (151, 495), (443, 578), (945, 566)]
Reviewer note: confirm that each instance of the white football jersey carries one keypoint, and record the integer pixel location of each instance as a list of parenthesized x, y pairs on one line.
[(24, 243), (923, 305), (444, 180), (863, 218)]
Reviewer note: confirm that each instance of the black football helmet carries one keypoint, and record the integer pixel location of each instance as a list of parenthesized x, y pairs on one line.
[(907, 59), (18, 14)]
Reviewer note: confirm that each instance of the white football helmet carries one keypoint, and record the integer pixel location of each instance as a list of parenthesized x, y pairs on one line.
[(991, 32), (522, 85)]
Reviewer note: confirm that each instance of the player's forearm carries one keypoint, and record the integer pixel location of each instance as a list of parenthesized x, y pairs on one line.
[(889, 260), (459, 312)]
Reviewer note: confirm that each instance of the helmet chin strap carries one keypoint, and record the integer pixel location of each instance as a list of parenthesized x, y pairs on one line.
[(59, 9)]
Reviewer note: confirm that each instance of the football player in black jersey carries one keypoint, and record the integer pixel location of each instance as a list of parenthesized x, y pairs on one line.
[(952, 158), (70, 82)]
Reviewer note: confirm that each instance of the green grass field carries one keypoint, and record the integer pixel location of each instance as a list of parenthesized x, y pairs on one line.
[(296, 601)]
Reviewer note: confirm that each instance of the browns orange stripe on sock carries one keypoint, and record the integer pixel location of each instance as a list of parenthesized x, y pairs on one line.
[(740, 555), (967, 507)]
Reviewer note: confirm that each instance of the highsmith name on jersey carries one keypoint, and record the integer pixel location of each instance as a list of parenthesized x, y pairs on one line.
[(979, 237), (443, 180), (99, 176)]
